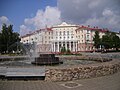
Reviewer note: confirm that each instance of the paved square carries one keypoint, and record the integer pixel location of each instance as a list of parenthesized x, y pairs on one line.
[(111, 82), (71, 84)]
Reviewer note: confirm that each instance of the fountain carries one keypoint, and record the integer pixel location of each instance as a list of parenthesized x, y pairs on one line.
[(26, 66), (35, 65), (46, 59)]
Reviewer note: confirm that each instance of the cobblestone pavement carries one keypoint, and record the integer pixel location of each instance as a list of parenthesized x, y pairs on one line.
[(111, 82)]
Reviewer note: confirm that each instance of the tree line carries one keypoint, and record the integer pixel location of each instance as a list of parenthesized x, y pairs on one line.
[(108, 41), (8, 38)]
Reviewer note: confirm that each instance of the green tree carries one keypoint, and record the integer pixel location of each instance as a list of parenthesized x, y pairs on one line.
[(7, 38), (106, 40), (111, 40), (115, 41), (96, 39), (63, 50)]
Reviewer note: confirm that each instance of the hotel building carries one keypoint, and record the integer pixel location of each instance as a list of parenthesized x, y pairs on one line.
[(76, 38)]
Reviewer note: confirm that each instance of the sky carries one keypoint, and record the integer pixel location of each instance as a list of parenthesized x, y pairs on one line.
[(29, 15)]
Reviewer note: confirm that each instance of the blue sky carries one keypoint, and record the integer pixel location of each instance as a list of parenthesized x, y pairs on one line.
[(17, 10), (29, 15)]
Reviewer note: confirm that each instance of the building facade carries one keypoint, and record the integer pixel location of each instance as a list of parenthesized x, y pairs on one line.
[(64, 35), (76, 38), (85, 36)]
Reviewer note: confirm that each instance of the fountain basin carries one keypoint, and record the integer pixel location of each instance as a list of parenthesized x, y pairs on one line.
[(46, 59)]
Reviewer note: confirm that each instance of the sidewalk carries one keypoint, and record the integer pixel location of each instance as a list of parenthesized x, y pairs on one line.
[(111, 82)]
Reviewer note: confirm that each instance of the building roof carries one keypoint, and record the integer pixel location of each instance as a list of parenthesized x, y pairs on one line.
[(36, 31), (93, 29), (64, 24)]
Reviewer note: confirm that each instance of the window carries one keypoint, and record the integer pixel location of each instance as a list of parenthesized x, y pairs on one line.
[(82, 36), (49, 33), (60, 32), (87, 36), (64, 33), (67, 32), (60, 37), (72, 32), (56, 32), (77, 31), (71, 36), (52, 33)]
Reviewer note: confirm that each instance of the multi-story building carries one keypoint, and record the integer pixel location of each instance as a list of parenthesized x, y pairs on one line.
[(85, 36), (64, 35), (76, 38), (42, 39)]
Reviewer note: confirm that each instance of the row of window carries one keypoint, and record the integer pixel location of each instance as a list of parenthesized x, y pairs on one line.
[(64, 32), (47, 42), (64, 28), (48, 37), (49, 33), (87, 37), (81, 31), (64, 37)]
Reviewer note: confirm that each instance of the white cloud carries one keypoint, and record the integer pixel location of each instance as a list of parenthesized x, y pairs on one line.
[(107, 12), (49, 17), (4, 19), (108, 20), (24, 30), (94, 3), (103, 13)]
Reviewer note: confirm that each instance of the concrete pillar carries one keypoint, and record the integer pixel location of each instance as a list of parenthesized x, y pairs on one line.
[(58, 46), (54, 47), (51, 45), (76, 46), (70, 46), (66, 45), (73, 47), (62, 44)]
